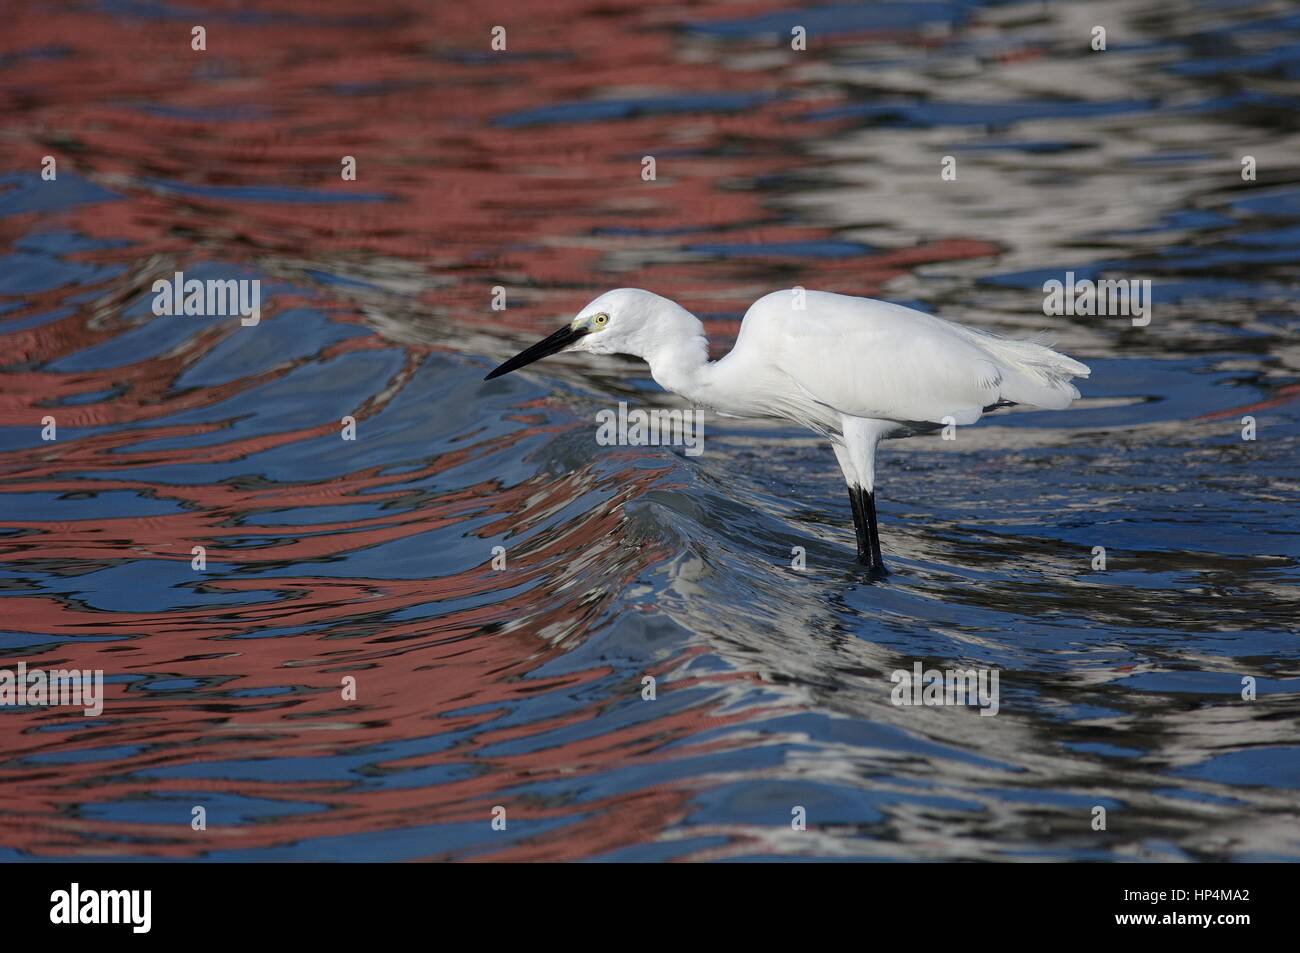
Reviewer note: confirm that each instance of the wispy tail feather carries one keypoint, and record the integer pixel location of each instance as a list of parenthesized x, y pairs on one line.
[(1032, 373)]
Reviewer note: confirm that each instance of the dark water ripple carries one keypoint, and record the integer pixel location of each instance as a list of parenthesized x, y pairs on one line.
[(522, 688)]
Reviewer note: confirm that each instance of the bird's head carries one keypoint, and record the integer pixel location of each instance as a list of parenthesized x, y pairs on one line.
[(624, 321)]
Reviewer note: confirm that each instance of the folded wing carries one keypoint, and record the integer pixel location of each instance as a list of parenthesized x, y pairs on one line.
[(873, 359)]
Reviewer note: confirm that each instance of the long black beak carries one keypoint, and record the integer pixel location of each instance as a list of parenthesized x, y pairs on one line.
[(550, 345)]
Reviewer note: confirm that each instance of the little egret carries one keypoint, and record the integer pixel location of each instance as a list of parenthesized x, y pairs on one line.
[(854, 370)]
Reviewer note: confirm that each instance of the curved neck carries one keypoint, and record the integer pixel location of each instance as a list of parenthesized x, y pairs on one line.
[(678, 353)]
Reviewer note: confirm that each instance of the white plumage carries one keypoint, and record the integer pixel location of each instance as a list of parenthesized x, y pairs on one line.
[(852, 369)]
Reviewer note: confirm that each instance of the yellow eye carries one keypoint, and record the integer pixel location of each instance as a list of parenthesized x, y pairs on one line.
[(600, 320)]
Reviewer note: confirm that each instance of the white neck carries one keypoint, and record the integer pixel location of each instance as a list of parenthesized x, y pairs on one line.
[(678, 354)]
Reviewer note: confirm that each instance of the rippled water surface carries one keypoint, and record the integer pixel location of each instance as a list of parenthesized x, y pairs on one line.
[(522, 688)]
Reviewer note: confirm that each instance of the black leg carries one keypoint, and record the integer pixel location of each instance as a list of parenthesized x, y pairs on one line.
[(859, 524), (864, 522), (873, 531)]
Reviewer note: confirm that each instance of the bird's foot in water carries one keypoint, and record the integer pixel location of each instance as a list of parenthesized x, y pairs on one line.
[(873, 569)]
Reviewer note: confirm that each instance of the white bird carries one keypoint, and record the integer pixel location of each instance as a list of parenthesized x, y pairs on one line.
[(854, 370)]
